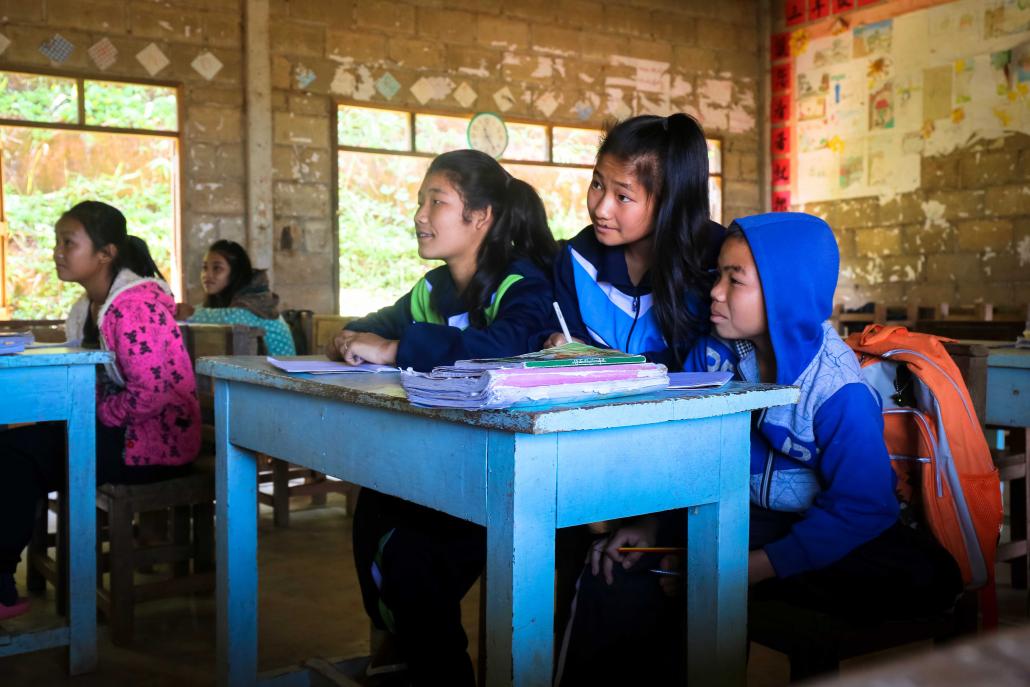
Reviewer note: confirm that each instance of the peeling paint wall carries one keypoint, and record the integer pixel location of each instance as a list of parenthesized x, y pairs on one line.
[(960, 231), (572, 62)]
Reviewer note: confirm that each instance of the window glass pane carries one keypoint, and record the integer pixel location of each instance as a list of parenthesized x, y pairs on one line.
[(564, 192), (715, 198), (370, 127), (526, 142), (714, 156), (37, 98), (378, 196), (575, 146), (47, 171), (438, 134), (131, 106)]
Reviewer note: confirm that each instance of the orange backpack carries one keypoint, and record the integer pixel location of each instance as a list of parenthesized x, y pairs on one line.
[(946, 477)]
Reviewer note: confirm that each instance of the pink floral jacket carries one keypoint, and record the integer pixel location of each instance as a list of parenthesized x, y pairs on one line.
[(151, 391)]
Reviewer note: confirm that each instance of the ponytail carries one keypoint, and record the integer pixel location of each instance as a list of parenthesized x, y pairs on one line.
[(670, 159), (135, 255), (519, 228)]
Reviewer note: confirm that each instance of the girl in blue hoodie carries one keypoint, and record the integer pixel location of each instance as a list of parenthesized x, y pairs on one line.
[(489, 299), (824, 527), (636, 279)]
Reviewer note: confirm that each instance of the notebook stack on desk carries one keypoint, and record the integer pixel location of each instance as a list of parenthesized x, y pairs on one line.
[(14, 342), (568, 373)]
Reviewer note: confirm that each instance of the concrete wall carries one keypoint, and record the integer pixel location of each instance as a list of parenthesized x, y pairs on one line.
[(565, 61)]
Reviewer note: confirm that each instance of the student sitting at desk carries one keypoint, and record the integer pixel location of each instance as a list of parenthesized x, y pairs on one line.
[(488, 299), (148, 417), (825, 532), (239, 294)]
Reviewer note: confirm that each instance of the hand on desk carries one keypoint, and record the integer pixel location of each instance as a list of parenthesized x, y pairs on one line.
[(557, 339), (355, 348)]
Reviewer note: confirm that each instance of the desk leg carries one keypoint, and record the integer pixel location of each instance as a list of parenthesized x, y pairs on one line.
[(81, 489), (717, 568), (521, 483), (236, 547)]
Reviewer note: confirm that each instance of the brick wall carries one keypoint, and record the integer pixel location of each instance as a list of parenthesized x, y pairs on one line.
[(608, 57), (563, 48), (962, 237), (213, 195)]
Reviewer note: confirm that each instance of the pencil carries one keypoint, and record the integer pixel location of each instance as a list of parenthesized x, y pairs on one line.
[(561, 321), (651, 549)]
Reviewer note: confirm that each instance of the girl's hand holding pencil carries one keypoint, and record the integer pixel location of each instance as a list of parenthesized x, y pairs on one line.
[(605, 553), (562, 337)]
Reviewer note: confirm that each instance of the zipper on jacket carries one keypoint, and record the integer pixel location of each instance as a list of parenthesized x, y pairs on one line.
[(636, 314)]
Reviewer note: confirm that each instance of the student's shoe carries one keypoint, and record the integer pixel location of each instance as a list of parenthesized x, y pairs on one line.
[(19, 607)]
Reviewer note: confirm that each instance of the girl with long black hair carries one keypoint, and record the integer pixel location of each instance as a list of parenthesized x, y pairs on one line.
[(637, 279), (491, 298)]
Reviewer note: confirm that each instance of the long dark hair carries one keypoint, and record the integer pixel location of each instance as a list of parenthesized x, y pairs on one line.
[(105, 225), (241, 272), (670, 159), (519, 228)]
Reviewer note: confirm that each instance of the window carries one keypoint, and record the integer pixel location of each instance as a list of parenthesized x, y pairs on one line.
[(382, 156), (64, 140)]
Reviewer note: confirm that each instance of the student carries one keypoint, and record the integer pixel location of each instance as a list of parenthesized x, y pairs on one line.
[(148, 417), (489, 299), (636, 279), (239, 294), (825, 532)]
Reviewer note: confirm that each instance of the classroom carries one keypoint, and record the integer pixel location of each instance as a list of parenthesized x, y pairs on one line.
[(442, 342)]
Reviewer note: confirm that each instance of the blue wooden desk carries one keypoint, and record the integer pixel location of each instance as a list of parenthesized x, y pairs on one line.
[(60, 384), (1008, 386), (520, 473)]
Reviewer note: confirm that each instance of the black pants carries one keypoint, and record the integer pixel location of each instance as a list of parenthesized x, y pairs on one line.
[(425, 567), (900, 574), (32, 464)]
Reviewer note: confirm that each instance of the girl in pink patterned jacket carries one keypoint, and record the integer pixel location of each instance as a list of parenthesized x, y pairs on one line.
[(148, 417)]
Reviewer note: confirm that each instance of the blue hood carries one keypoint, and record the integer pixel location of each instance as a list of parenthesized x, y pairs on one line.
[(798, 263)]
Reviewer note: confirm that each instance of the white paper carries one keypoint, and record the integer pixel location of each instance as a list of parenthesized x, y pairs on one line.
[(207, 65), (504, 98), (316, 366), (4, 42), (103, 53), (698, 380), (152, 59), (465, 95)]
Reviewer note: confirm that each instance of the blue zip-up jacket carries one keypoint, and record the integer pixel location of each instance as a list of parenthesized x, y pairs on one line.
[(823, 457), (603, 307), (517, 311)]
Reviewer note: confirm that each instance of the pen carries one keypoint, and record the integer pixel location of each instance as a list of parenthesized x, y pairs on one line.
[(561, 321)]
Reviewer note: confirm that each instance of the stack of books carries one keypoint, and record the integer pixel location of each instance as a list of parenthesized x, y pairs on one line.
[(14, 342), (569, 373)]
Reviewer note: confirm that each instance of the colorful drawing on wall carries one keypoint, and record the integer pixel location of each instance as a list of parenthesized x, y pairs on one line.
[(779, 46), (812, 108), (781, 78), (852, 171), (1019, 65), (831, 50), (1006, 18), (779, 108), (962, 84), (780, 141), (937, 93), (781, 171), (881, 108), (387, 85), (103, 53), (908, 101), (57, 48), (817, 9), (813, 83), (794, 11), (303, 76), (811, 136), (872, 39)]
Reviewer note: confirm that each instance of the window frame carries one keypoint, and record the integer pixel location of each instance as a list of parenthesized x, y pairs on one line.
[(412, 113), (80, 85)]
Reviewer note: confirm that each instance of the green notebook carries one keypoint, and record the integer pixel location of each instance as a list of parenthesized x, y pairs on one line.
[(567, 355)]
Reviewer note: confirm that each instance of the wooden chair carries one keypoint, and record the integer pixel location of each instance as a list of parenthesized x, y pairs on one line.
[(979, 322), (815, 643), (176, 516), (288, 480)]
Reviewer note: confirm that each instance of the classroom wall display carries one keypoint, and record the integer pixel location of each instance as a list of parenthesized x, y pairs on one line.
[(874, 91)]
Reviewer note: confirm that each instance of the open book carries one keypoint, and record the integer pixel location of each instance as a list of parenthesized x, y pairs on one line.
[(567, 355)]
